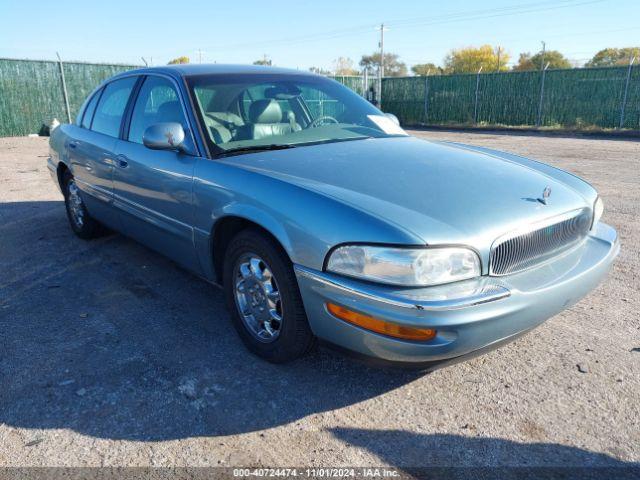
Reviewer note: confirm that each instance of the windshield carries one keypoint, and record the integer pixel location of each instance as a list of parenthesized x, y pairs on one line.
[(243, 113)]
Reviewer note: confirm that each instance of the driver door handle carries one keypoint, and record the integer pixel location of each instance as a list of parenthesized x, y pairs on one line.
[(122, 161)]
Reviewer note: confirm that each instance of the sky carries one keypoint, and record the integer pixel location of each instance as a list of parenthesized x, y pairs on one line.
[(301, 34)]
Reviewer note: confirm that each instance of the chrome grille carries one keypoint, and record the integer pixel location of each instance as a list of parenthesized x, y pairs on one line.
[(521, 250)]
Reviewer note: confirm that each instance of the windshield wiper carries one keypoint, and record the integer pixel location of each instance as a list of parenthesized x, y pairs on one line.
[(254, 148)]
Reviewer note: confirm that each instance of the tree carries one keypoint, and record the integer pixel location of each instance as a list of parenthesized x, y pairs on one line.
[(344, 66), (264, 61), (535, 62), (393, 67), (182, 59), (471, 59), (424, 69), (320, 71), (614, 56)]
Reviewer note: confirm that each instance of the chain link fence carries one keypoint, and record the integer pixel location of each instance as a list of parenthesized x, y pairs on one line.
[(32, 95)]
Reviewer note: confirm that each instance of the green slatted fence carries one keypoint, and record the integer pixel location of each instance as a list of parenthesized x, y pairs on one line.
[(579, 98), (31, 95)]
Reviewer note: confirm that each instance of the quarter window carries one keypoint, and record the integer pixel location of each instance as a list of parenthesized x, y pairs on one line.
[(157, 102), (112, 105), (91, 108)]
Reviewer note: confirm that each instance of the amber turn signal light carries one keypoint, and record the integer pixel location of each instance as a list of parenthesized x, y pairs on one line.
[(380, 326)]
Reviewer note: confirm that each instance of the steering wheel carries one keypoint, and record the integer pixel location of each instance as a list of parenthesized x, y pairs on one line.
[(322, 119)]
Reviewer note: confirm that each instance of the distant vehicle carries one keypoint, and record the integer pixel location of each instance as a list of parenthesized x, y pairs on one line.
[(322, 219)]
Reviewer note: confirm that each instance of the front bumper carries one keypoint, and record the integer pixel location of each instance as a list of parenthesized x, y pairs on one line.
[(471, 316)]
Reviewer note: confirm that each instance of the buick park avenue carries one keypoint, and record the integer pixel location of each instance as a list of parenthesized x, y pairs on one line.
[(322, 219)]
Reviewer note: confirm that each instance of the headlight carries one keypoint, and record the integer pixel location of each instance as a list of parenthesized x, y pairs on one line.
[(598, 210), (411, 267)]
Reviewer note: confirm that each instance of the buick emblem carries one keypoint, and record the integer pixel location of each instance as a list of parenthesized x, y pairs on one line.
[(546, 193)]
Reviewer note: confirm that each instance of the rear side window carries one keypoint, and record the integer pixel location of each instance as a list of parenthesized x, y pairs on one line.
[(88, 112), (112, 105)]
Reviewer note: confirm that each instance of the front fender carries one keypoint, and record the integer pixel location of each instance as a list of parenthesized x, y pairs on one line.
[(306, 223)]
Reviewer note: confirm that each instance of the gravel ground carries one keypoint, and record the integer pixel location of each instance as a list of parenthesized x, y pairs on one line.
[(111, 356)]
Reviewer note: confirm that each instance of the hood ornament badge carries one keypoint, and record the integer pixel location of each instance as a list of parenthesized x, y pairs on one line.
[(546, 193)]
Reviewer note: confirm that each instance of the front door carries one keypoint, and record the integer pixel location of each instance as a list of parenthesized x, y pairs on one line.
[(153, 188)]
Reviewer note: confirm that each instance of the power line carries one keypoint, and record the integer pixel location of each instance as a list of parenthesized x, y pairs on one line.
[(436, 20), (498, 12)]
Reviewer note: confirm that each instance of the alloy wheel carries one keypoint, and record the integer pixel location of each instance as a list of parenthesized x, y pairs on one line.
[(258, 297), (74, 203)]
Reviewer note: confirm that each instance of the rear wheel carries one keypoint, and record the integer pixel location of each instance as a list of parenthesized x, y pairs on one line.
[(82, 223), (263, 297)]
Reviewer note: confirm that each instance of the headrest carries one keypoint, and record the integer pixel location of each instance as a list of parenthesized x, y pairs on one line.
[(265, 111), (170, 111), (225, 118)]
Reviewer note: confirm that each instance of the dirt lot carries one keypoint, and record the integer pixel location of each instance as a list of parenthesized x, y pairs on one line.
[(111, 355)]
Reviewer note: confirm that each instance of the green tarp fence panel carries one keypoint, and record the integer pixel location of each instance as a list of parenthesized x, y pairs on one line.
[(31, 93), (31, 96), (576, 98)]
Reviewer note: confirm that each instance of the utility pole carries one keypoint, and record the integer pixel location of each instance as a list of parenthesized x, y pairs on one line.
[(381, 66), (199, 56), (499, 52), (544, 49)]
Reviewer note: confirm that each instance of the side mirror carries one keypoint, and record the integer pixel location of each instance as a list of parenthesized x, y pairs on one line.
[(164, 136), (393, 118)]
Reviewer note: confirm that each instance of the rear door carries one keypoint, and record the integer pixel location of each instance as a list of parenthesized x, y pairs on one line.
[(92, 148), (153, 188)]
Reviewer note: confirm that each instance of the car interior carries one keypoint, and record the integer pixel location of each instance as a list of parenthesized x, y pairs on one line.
[(233, 113)]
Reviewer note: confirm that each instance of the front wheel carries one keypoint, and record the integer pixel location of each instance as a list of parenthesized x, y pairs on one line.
[(82, 223), (262, 295)]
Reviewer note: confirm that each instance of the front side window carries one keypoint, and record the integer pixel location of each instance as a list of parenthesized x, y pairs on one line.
[(112, 105), (246, 112), (157, 102)]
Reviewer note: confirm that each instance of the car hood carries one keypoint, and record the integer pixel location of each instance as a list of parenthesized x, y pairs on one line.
[(440, 192)]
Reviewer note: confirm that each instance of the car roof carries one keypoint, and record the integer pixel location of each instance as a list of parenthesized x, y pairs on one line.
[(188, 69)]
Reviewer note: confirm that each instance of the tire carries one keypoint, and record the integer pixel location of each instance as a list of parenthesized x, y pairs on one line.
[(277, 341), (82, 223)]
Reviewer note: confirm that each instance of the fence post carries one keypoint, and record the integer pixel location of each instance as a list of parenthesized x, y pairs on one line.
[(544, 72), (626, 91), (475, 106), (64, 87), (365, 79), (426, 97)]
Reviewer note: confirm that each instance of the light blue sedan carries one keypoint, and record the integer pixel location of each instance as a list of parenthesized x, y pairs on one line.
[(323, 220)]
